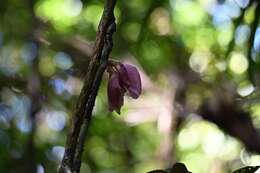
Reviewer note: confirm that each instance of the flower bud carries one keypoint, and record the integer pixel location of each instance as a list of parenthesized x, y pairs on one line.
[(115, 93), (122, 78), (130, 79)]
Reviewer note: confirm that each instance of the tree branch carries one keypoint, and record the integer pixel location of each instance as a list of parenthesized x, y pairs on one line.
[(223, 108), (229, 117), (87, 117), (86, 101)]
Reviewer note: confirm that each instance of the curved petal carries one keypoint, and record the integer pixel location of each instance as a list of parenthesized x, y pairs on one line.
[(130, 79), (123, 76), (115, 93)]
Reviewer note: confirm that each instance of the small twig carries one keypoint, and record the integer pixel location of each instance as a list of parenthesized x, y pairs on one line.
[(237, 22), (253, 28), (86, 101)]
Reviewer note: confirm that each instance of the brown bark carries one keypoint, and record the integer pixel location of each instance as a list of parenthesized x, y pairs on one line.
[(82, 115)]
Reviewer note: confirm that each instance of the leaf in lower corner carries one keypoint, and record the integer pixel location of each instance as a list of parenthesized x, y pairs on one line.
[(248, 169), (176, 168)]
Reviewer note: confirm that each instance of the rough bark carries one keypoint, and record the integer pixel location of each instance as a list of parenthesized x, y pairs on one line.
[(82, 115)]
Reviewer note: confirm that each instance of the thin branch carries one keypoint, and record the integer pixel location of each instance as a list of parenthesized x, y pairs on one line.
[(253, 28), (86, 101), (237, 22), (88, 112)]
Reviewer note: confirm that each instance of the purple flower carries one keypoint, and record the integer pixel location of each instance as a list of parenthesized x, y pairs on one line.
[(123, 78), (115, 93), (130, 79)]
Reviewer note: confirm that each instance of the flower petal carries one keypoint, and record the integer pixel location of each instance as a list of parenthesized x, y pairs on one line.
[(115, 93), (130, 79)]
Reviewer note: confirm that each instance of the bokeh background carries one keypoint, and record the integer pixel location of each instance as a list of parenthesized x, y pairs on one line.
[(199, 62)]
